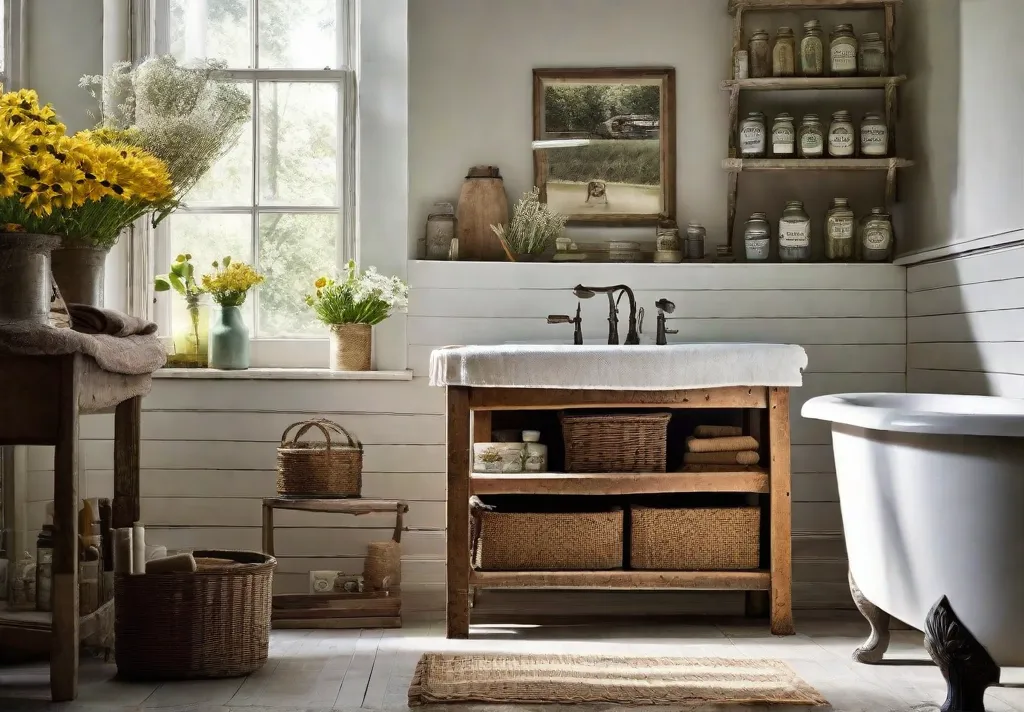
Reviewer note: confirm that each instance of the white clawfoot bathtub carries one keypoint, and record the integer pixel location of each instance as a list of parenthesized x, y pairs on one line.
[(931, 489)]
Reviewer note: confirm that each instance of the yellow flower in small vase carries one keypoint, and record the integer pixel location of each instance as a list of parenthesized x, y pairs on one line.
[(228, 285)]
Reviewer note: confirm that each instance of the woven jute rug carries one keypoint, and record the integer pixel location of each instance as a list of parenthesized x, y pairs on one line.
[(571, 679)]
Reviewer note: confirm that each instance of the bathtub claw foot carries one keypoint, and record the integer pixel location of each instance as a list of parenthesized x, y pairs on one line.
[(964, 662), (878, 642)]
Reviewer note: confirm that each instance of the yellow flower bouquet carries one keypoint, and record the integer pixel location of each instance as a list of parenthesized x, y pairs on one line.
[(230, 282)]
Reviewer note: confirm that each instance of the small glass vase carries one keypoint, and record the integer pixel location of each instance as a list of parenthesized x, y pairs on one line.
[(350, 347), (190, 339), (229, 339)]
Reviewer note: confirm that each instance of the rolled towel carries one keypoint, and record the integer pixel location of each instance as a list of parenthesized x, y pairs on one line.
[(743, 442), (87, 319), (179, 563), (743, 457), (717, 431)]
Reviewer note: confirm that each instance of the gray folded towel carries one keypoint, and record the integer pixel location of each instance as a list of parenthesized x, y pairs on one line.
[(87, 319)]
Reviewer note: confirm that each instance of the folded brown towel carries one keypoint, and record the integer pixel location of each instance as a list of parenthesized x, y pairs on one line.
[(743, 457), (87, 319), (743, 442), (717, 431)]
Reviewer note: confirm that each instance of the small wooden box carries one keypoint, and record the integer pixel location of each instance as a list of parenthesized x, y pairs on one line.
[(370, 609)]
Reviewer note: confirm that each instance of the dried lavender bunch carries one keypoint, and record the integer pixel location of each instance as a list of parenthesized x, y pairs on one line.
[(183, 115), (533, 228)]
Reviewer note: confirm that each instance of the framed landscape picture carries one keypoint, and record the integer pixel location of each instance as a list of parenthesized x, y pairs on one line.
[(604, 143)]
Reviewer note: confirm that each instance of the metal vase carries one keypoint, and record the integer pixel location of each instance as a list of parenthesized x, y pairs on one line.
[(78, 272), (25, 288)]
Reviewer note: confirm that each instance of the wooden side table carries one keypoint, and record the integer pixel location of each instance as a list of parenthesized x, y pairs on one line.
[(370, 609), (40, 406)]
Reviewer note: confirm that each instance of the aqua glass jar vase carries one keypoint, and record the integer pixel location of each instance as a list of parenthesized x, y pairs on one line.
[(229, 339)]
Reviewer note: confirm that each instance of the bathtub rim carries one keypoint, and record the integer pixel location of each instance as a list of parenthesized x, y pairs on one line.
[(855, 409)]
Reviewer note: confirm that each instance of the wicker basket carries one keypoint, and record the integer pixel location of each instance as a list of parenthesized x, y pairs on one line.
[(699, 539), (631, 442), (214, 622), (319, 469), (545, 541)]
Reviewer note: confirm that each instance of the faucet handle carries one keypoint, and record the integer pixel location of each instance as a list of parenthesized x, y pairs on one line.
[(559, 319)]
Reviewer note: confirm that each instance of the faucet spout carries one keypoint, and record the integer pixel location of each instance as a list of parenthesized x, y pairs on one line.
[(632, 336)]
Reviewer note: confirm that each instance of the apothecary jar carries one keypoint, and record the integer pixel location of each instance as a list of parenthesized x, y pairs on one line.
[(757, 235), (795, 233), (876, 236)]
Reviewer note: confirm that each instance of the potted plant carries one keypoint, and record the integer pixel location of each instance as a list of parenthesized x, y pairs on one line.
[(351, 307), (229, 285), (190, 341), (534, 227)]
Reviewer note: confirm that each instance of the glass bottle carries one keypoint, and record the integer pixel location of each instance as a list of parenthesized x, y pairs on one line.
[(871, 55), (784, 53), (783, 137), (843, 52), (876, 236), (440, 231), (695, 237), (760, 55), (757, 235), (812, 137), (874, 136), (839, 231), (536, 458), (752, 135), (812, 50), (840, 135), (795, 233)]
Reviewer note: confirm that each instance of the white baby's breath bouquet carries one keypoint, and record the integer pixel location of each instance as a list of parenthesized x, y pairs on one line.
[(533, 228), (367, 298), (183, 115)]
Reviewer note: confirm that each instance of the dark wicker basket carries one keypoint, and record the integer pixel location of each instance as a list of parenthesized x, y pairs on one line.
[(319, 469), (629, 442), (697, 539), (212, 623), (547, 541)]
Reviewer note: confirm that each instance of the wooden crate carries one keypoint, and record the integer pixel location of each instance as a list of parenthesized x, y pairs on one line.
[(370, 609)]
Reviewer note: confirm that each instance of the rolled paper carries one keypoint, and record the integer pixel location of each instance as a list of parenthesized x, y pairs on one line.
[(138, 549), (743, 442), (743, 457), (179, 563), (717, 431), (155, 551), (123, 551)]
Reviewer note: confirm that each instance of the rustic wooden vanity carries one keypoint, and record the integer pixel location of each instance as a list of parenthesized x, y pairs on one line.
[(763, 410)]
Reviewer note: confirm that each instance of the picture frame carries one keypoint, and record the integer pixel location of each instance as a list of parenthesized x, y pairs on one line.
[(604, 148)]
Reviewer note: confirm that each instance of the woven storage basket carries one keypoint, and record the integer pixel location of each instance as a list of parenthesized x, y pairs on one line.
[(631, 442), (319, 469), (214, 622), (542, 541), (698, 539)]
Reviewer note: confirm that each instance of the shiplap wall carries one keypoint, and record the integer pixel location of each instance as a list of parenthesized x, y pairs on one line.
[(208, 446), (965, 325)]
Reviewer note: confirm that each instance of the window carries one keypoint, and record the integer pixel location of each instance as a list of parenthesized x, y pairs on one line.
[(283, 198), (10, 44)]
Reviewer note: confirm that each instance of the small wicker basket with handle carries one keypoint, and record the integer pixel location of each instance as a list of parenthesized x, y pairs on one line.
[(319, 469)]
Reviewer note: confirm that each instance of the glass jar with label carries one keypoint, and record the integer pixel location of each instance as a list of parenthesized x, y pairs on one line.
[(760, 55), (752, 135), (843, 52), (840, 135), (871, 55), (876, 236), (783, 137), (795, 233), (874, 136), (784, 53), (840, 226), (811, 140), (695, 237), (757, 235), (812, 50)]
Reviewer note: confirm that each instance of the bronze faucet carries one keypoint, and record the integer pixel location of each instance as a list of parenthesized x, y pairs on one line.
[(632, 336), (664, 307), (577, 334)]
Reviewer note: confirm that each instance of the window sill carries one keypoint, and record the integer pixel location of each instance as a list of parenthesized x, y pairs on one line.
[(281, 374)]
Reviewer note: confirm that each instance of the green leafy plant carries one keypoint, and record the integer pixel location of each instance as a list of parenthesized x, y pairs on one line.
[(533, 228), (367, 298), (181, 277)]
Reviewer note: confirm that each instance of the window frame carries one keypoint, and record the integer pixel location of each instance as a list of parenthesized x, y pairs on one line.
[(14, 44), (151, 247)]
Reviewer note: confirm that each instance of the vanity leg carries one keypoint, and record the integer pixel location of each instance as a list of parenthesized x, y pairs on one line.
[(878, 642), (458, 512), (781, 513), (966, 665)]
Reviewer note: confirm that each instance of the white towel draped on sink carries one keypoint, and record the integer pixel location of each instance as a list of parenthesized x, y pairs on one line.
[(618, 368)]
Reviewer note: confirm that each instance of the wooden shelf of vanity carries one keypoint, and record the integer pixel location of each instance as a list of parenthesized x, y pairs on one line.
[(754, 480)]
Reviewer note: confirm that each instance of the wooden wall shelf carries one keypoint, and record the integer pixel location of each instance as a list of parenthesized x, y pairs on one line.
[(707, 580), (764, 5), (736, 165), (809, 83), (753, 480)]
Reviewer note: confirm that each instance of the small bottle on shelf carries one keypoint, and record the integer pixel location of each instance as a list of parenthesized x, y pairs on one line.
[(812, 50), (784, 53), (874, 136), (795, 233), (536, 459), (812, 137), (752, 135), (876, 236), (840, 135), (783, 137), (843, 52), (871, 55), (757, 235), (760, 53), (839, 231)]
